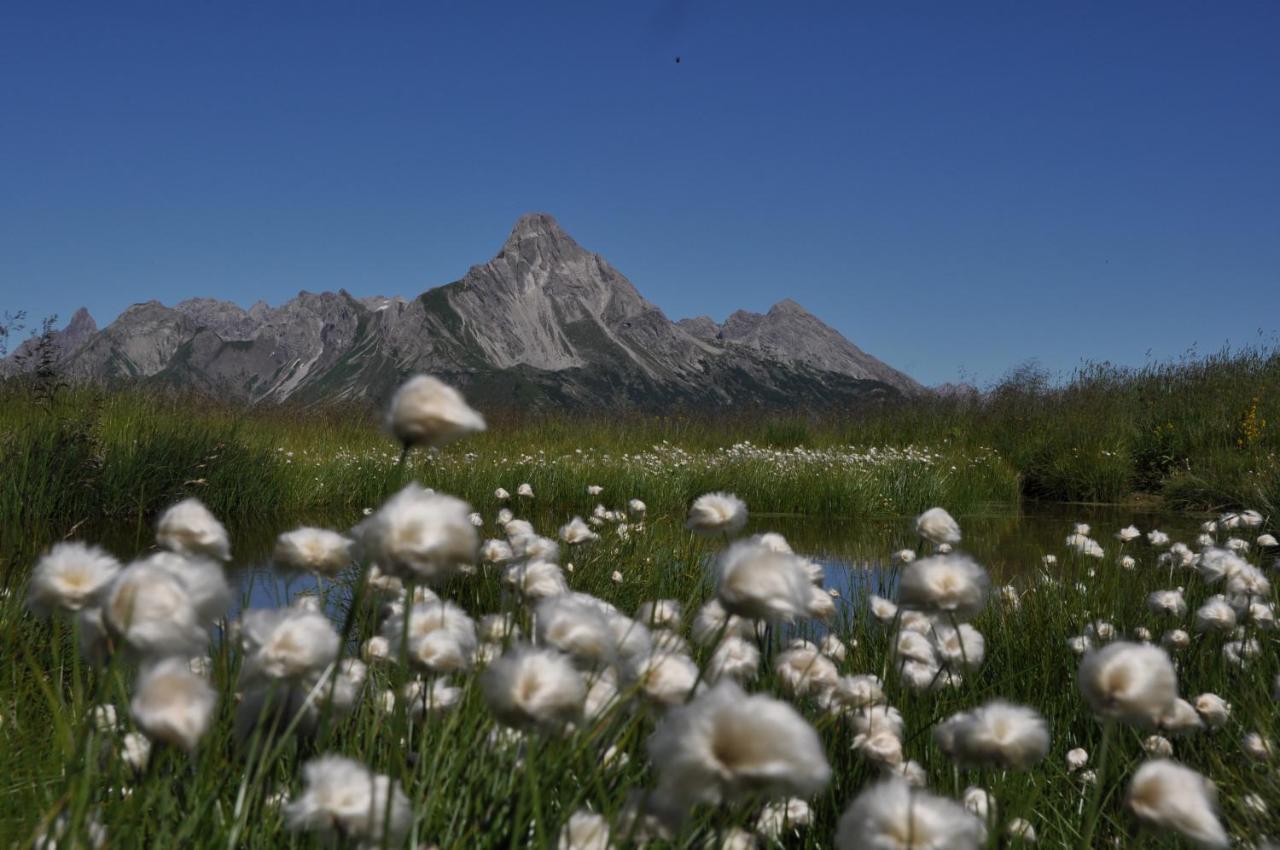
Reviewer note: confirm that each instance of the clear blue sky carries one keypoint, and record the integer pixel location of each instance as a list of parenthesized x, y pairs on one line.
[(957, 187)]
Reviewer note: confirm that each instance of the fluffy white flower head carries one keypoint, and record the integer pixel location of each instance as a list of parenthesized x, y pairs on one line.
[(428, 412), (726, 745), (316, 550), (938, 527), (893, 816), (717, 513), (69, 577), (755, 582), (189, 528), (421, 534), (172, 704), (1167, 795), (951, 584), (1130, 682), (344, 798)]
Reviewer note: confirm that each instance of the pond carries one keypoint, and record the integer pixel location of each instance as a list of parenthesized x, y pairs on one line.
[(855, 553)]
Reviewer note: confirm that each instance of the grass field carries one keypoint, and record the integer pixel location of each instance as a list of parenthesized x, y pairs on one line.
[(1195, 435), (472, 785)]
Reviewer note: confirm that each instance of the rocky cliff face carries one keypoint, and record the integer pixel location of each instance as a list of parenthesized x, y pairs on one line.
[(544, 323)]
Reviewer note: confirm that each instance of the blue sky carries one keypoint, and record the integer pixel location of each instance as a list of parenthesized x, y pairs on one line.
[(957, 187)]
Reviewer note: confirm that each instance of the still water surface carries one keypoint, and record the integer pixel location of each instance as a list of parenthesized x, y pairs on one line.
[(855, 553)]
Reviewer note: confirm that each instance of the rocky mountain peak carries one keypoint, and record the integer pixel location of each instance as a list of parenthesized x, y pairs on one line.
[(81, 324), (544, 323)]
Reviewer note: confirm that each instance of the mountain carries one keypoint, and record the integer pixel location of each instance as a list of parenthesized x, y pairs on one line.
[(545, 323)]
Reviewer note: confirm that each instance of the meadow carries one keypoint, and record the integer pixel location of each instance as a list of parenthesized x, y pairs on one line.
[(608, 737)]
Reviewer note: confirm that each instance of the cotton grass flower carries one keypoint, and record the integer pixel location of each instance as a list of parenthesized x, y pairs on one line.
[(286, 643), (575, 531), (151, 611), (344, 799), (188, 528), (998, 734), (734, 658), (938, 527), (713, 514), (661, 613), (726, 745), (1213, 709), (1256, 747), (778, 817), (534, 689), (891, 815), (577, 627), (173, 705), (441, 636), (1168, 796), (525, 491), (962, 647), (585, 831), (1129, 682), (947, 584), (666, 678), (315, 550), (1076, 759), (1128, 534), (536, 580), (1181, 719), (427, 412), (1215, 615), (418, 534), (804, 671), (1167, 602), (758, 583), (637, 508), (70, 577)]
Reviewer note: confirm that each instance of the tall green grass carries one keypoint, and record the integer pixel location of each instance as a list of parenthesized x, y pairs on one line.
[(470, 792)]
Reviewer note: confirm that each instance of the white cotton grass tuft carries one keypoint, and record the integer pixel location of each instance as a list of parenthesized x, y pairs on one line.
[(441, 636), (286, 643), (535, 580), (189, 528), (938, 527), (1129, 682), (734, 658), (948, 584), (343, 799), (666, 678), (575, 531), (727, 745), (891, 815), (315, 550), (1215, 615), (151, 611), (661, 613), (1167, 602), (712, 622), (1213, 710), (427, 412), (1127, 534), (781, 816), (1169, 796), (534, 689), (418, 534), (577, 626), (755, 582), (961, 647), (713, 514), (173, 705), (997, 734), (69, 577), (585, 831), (805, 671)]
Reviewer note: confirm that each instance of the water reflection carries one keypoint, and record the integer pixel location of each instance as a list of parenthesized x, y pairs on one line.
[(854, 553)]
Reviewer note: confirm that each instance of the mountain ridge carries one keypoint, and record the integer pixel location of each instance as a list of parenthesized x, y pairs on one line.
[(544, 323)]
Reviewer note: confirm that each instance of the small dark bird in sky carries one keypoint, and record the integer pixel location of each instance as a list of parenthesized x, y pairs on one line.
[(677, 60)]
